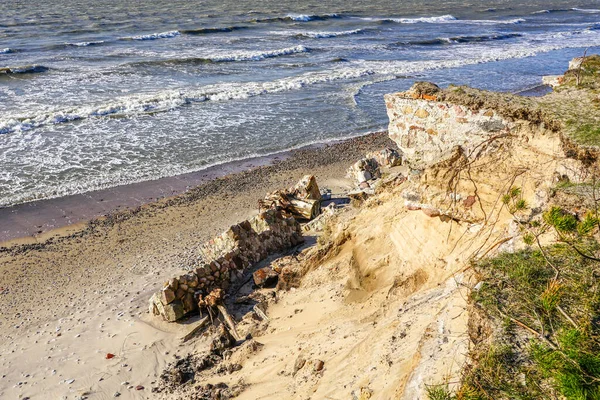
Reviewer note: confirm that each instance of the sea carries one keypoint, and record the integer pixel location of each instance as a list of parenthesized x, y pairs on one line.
[(96, 94)]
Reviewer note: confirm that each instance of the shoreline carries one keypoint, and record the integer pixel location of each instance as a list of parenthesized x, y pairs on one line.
[(38, 221), (142, 246)]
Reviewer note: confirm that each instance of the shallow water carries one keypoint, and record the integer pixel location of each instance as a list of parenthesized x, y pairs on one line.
[(97, 94)]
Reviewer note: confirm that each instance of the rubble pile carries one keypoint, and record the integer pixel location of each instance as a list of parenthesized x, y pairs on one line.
[(302, 201), (224, 259)]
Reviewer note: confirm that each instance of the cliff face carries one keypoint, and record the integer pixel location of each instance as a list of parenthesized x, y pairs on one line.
[(427, 130)]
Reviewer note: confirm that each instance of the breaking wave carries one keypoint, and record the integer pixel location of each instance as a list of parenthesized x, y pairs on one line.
[(553, 10), (86, 44), (586, 10), (321, 35), (297, 18), (445, 19), (427, 20), (6, 51), (229, 57), (154, 36)]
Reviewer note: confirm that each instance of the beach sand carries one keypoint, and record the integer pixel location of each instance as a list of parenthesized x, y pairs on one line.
[(70, 296)]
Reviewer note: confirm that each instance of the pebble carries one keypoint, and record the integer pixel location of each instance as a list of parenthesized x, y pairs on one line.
[(117, 394)]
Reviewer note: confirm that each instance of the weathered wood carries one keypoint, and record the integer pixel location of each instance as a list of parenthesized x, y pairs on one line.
[(199, 325), (306, 209), (229, 321), (260, 313)]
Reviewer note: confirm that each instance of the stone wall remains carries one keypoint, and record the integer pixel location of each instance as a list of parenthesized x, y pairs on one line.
[(427, 131), (224, 259)]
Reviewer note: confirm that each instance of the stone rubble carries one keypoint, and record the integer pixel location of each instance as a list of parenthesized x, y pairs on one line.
[(364, 170), (302, 201), (224, 259)]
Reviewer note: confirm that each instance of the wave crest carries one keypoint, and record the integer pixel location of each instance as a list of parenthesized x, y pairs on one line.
[(321, 35), (154, 36), (86, 44), (298, 18), (586, 10)]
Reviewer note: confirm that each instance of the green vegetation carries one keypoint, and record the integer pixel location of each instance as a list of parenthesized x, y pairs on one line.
[(547, 305), (586, 133), (540, 338), (585, 77)]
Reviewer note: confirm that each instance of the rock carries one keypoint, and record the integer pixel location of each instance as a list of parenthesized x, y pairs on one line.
[(189, 303), (319, 365), (387, 157), (299, 364), (307, 188), (553, 80), (363, 176), (167, 295), (431, 212), (317, 224), (575, 63), (364, 185), (359, 197), (290, 277), (265, 277), (139, 387), (173, 311), (469, 201), (364, 170), (224, 257)]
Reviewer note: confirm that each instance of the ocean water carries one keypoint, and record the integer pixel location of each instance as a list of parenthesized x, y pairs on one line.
[(95, 94)]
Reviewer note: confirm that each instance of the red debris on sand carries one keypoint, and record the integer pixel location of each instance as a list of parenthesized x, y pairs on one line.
[(109, 356), (139, 387)]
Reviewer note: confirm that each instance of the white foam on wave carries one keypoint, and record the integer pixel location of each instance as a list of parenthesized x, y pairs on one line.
[(321, 35), (445, 19), (306, 18), (153, 36), (427, 20), (85, 44), (6, 50), (586, 10), (256, 55)]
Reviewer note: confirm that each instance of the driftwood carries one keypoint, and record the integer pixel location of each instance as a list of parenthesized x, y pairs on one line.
[(260, 313), (302, 201), (229, 322), (199, 325), (305, 209)]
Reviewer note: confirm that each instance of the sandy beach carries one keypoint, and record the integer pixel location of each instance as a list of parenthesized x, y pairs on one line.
[(82, 293)]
